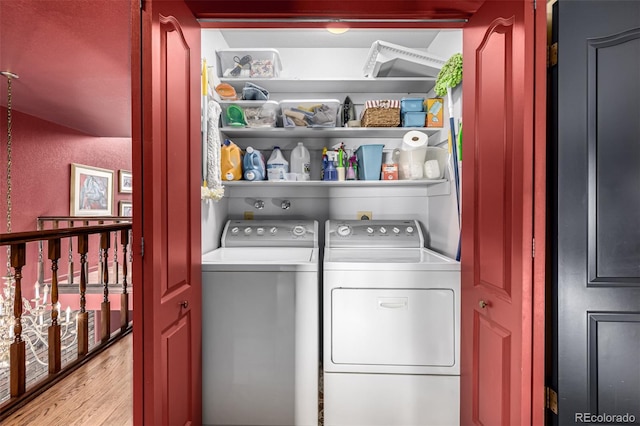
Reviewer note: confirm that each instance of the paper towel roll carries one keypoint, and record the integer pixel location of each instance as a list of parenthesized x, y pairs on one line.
[(414, 139)]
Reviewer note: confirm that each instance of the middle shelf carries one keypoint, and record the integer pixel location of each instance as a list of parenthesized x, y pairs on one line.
[(327, 132)]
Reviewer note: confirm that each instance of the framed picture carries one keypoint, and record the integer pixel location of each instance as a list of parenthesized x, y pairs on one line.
[(124, 208), (91, 191), (125, 182)]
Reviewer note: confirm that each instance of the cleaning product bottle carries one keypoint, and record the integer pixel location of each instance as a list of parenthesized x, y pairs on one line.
[(351, 170), (325, 160), (330, 172), (253, 164), (301, 162), (230, 161), (277, 165)]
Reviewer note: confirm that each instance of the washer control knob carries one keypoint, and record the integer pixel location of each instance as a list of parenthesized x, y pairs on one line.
[(383, 230), (409, 229), (273, 230), (344, 230), (260, 231), (396, 230), (299, 230), (369, 230), (235, 230), (248, 230)]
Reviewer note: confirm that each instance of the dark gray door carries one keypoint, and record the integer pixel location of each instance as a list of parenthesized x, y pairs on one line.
[(595, 212)]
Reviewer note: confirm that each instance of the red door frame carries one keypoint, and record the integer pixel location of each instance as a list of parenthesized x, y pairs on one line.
[(385, 10)]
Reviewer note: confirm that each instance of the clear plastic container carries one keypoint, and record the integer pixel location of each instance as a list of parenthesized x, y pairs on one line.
[(411, 164), (248, 63), (301, 162), (253, 114), (309, 112)]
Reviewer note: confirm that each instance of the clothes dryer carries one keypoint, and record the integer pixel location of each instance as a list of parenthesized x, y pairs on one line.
[(391, 352), (260, 325)]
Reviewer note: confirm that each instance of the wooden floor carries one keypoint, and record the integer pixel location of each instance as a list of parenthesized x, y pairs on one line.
[(99, 393)]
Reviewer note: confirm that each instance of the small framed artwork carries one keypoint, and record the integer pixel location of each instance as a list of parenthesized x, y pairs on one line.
[(91, 191), (125, 208), (125, 182)]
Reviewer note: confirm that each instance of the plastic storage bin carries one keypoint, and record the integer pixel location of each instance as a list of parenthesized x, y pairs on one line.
[(411, 164), (369, 161), (414, 119), (411, 105), (248, 63), (249, 113), (309, 112)]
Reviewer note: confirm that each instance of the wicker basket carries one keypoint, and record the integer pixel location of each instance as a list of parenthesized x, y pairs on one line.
[(381, 114)]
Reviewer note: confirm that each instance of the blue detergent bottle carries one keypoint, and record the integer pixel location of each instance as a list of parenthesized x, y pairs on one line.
[(253, 165)]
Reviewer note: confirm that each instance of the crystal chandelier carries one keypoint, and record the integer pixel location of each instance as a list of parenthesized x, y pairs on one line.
[(35, 318)]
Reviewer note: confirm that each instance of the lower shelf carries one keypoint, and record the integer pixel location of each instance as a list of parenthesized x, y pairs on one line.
[(344, 183)]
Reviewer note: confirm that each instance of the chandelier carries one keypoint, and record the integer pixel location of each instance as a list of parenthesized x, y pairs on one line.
[(35, 318)]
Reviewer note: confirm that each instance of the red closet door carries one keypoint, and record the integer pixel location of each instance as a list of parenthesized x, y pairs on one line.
[(497, 215), (167, 345)]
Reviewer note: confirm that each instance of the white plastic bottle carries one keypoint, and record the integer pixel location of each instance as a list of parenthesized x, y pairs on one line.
[(277, 165), (301, 162)]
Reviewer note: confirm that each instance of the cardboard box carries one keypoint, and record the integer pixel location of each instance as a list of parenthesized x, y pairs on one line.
[(435, 112), (389, 172)]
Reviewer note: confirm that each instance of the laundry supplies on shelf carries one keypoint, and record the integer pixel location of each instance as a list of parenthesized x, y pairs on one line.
[(244, 63), (253, 165), (301, 162), (230, 161), (310, 112), (277, 165)]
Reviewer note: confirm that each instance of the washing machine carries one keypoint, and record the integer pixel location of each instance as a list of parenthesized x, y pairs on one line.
[(260, 325), (391, 324)]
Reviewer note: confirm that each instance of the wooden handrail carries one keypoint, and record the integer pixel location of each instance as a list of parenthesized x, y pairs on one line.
[(53, 237)]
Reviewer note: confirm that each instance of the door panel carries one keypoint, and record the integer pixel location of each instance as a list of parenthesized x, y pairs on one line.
[(167, 358), (596, 262), (497, 218)]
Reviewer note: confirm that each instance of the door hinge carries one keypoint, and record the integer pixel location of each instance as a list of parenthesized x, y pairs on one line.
[(533, 248), (552, 55), (535, 4), (142, 247), (552, 400)]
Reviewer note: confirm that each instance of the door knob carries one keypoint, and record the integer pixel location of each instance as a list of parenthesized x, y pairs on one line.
[(184, 304), (482, 304)]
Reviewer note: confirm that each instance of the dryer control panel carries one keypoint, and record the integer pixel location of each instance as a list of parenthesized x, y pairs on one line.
[(270, 233), (373, 233)]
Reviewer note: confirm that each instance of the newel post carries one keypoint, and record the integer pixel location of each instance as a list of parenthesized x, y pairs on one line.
[(17, 358)]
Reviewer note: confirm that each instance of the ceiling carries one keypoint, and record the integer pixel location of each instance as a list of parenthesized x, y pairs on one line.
[(73, 62)]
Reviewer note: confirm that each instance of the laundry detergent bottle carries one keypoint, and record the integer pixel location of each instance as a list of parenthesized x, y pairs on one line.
[(301, 162), (230, 161), (277, 165), (253, 165)]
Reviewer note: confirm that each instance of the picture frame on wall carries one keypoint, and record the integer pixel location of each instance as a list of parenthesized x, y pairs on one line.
[(91, 192), (125, 208), (125, 182)]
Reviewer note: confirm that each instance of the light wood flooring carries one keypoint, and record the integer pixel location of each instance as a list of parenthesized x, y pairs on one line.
[(99, 393)]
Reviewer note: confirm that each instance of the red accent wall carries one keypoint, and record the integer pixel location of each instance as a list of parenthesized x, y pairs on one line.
[(42, 153)]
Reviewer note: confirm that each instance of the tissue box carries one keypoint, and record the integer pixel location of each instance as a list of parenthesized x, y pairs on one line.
[(435, 109)]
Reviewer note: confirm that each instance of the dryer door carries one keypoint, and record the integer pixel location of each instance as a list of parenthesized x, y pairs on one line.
[(389, 329)]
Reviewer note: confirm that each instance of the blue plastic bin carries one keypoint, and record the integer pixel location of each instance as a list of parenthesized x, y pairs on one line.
[(411, 105), (369, 161), (414, 119)]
